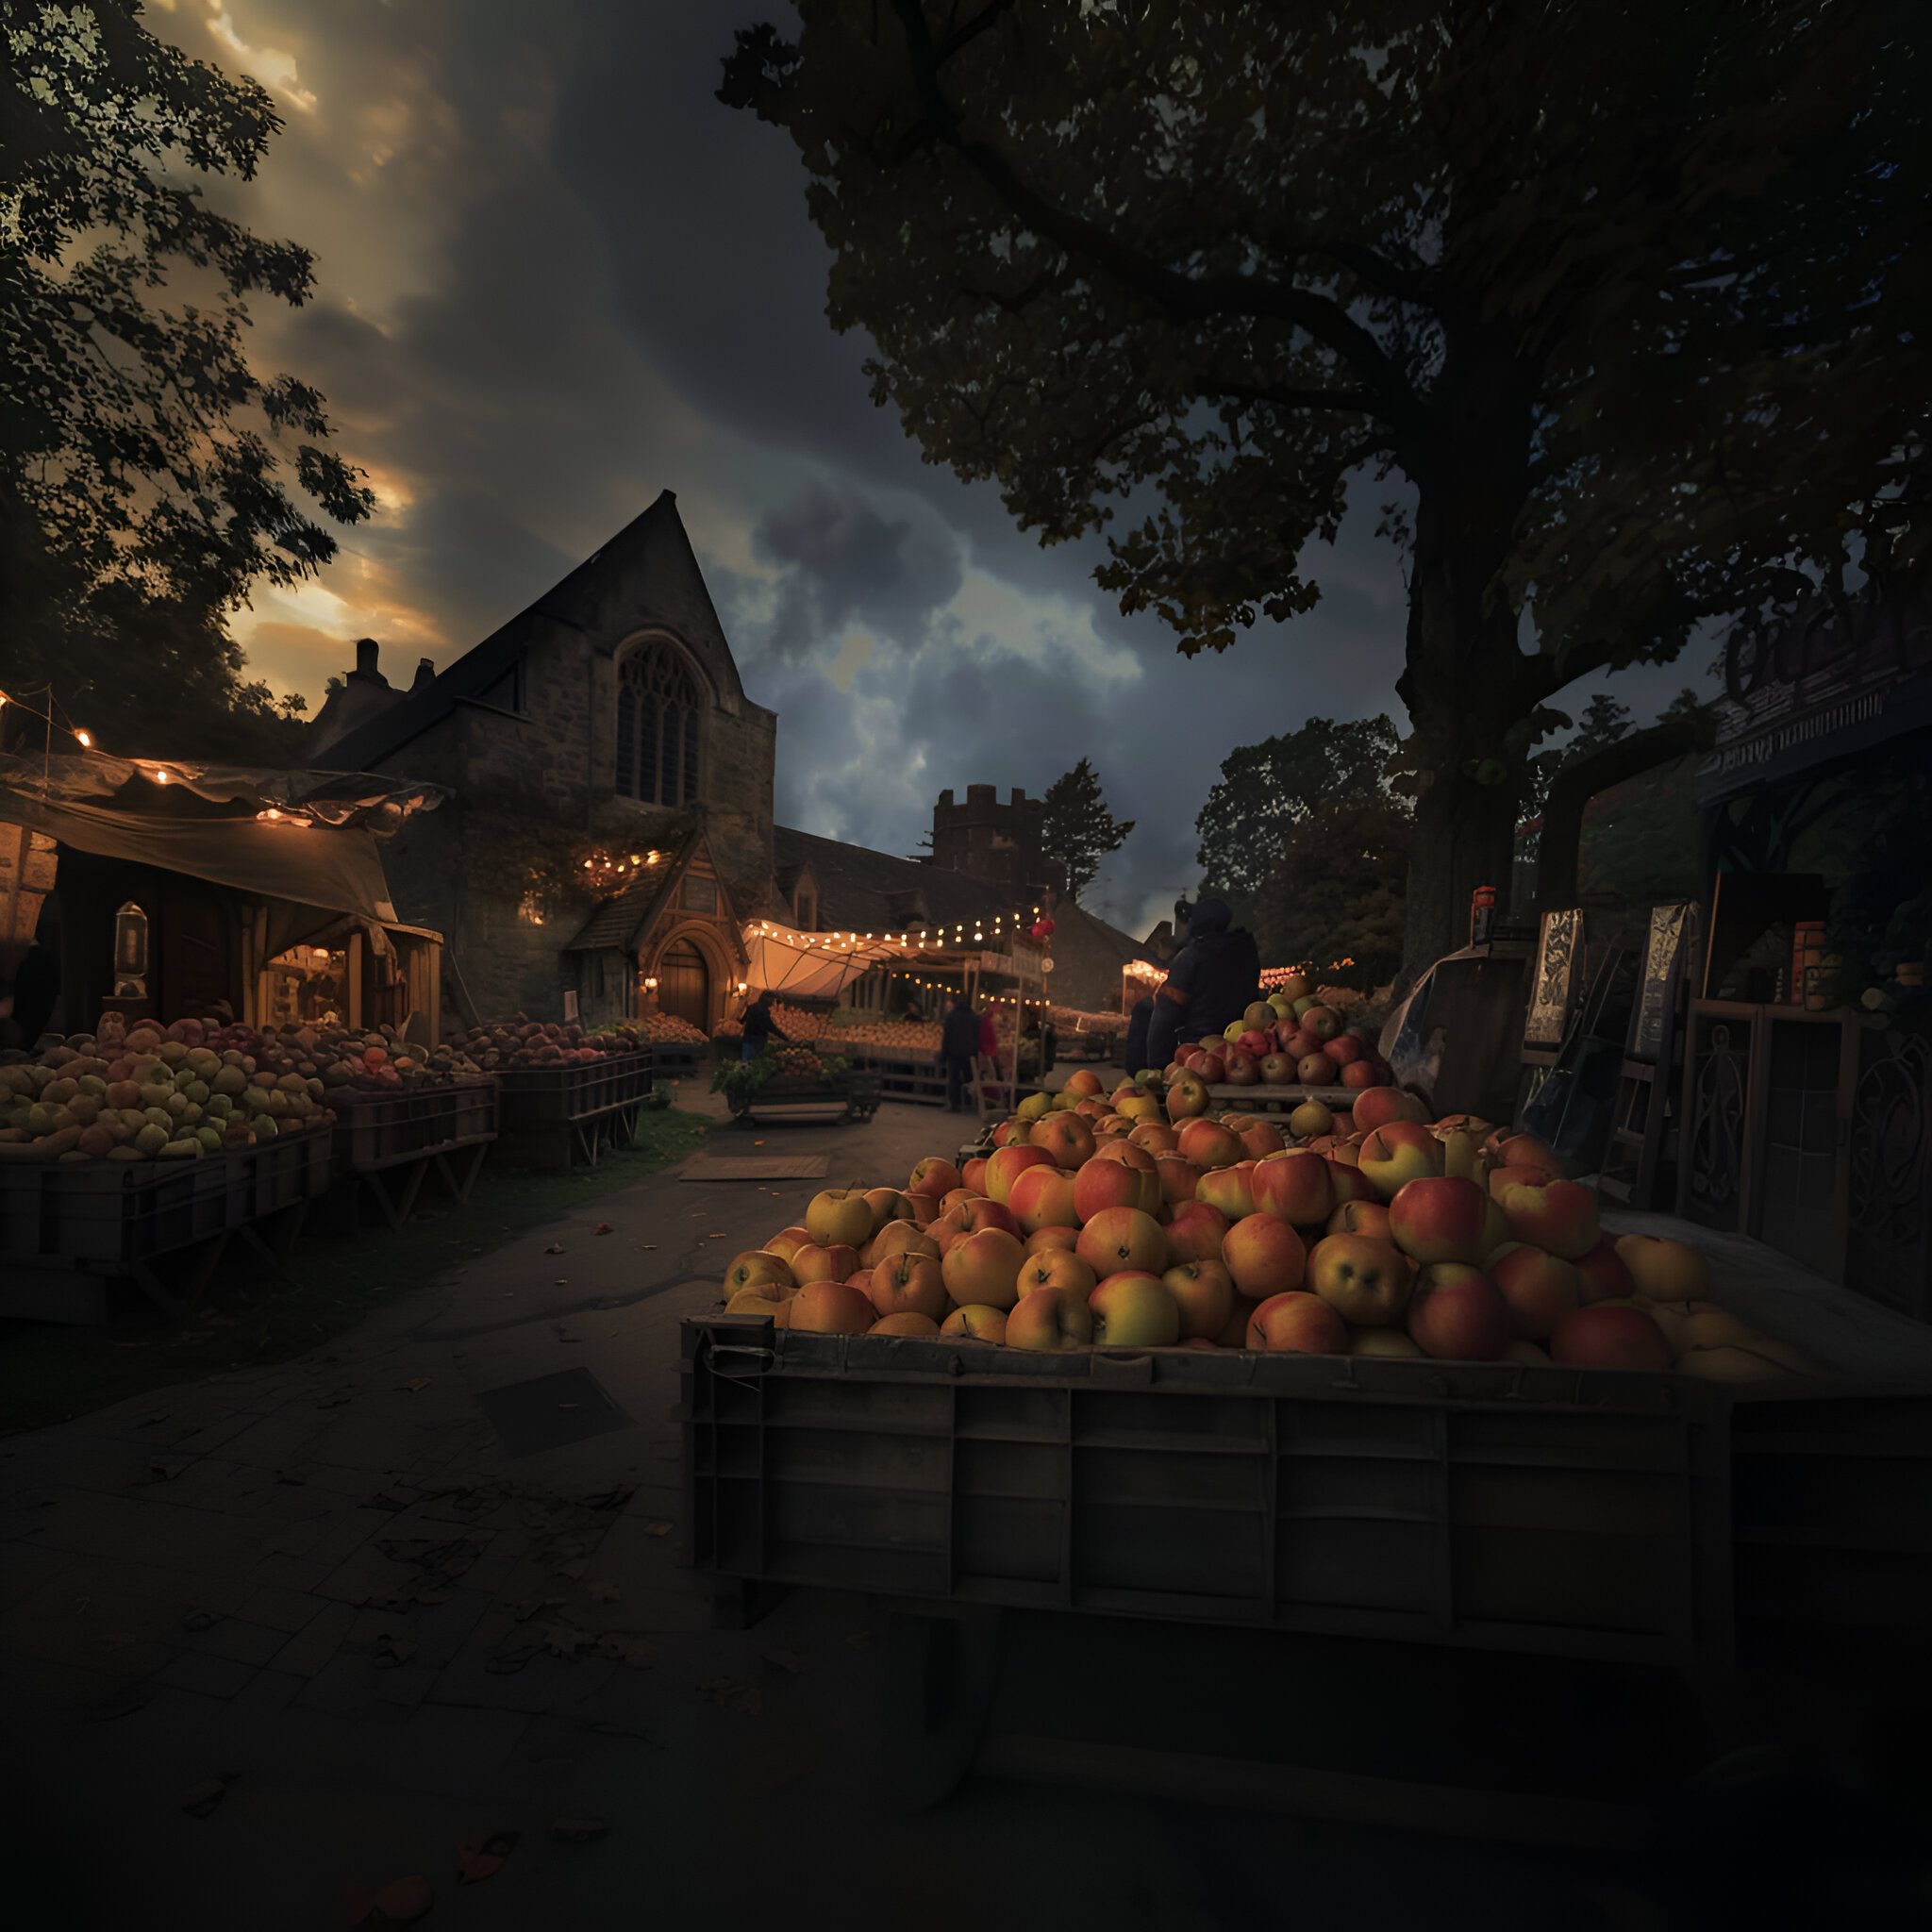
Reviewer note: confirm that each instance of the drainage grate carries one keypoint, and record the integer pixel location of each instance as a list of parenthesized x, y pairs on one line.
[(549, 1411)]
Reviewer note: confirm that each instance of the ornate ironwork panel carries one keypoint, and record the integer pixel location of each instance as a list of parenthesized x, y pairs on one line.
[(1556, 971), (1714, 1140), (1670, 927), (1889, 1255)]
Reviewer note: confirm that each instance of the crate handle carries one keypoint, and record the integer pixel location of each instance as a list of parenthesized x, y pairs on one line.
[(1120, 1370), (1514, 1391), (1348, 1381)]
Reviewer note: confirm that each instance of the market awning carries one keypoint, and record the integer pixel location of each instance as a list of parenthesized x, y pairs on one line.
[(810, 965), (309, 867)]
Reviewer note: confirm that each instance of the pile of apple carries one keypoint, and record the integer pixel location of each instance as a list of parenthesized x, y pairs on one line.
[(518, 1042), (1289, 1039), (145, 1093), (667, 1029), (1091, 1224)]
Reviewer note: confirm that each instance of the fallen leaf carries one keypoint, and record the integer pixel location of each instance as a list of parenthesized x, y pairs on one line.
[(728, 1693), (554, 1248), (602, 1227), (626, 1647), (786, 1660), (650, 1247), (578, 1831), (392, 1650), (421, 1382), (604, 1594), (481, 1853), (656, 1530), (200, 1620)]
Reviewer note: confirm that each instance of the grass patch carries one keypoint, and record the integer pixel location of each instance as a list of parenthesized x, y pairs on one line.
[(50, 1372)]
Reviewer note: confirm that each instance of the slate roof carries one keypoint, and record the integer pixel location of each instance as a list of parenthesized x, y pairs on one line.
[(862, 890), (620, 918)]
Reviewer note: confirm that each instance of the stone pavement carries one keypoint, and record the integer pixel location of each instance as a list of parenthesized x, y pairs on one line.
[(327, 1581)]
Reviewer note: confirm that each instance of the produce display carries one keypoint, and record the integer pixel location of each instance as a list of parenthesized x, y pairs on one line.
[(1290, 1038), (668, 1029), (1127, 1220), (518, 1042), (909, 1038), (145, 1093)]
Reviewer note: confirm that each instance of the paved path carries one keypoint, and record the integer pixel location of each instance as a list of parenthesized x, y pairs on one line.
[(329, 1579)]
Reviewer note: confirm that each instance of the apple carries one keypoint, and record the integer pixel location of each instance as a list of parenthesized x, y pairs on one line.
[(1297, 1323), (1265, 1256), (1277, 1070), (1260, 1138), (1006, 1164), (1384, 1342), (788, 1242), (1143, 1107), (1196, 1232), (1203, 1290), (1558, 1215), (1366, 1281), (1210, 1067), (1154, 1137), (1324, 1023), (899, 1238), (1043, 1197), (823, 1264), (934, 1177), (1361, 1217), (1311, 1120), (1051, 1241), (1530, 1354), (762, 1298), (1456, 1313), (1084, 1081), (1048, 1321), (1186, 1098), (1066, 1139), (1606, 1278), (831, 1307), (888, 1204), (1229, 1189), (755, 1268), (1664, 1270), (1122, 1175), (1525, 1150), (909, 1284), (1296, 1185), (1179, 1177), (1381, 1104), (1346, 1177), (1133, 1310), (1604, 1337), (1542, 1289), (1315, 1070), (1401, 1152), (1343, 1049), (972, 1174), (1208, 1144), (1120, 1240), (1437, 1218), (975, 1322), (984, 1267), (1058, 1270), (1233, 1333), (958, 1199), (1243, 1070), (1360, 1075)]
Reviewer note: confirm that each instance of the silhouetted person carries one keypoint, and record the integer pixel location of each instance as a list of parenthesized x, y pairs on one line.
[(1134, 1055), (759, 1027), (1213, 981), (959, 1044)]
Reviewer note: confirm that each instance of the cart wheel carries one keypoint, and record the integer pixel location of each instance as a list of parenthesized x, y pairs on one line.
[(940, 1672)]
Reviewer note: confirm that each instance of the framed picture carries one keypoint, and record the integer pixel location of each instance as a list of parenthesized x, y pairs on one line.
[(700, 893)]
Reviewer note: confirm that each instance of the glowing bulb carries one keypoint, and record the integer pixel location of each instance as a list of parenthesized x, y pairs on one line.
[(87, 742), (161, 775)]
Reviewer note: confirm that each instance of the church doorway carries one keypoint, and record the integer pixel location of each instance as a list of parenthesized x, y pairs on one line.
[(684, 984)]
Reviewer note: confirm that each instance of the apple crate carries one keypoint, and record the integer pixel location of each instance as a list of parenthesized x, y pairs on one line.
[(538, 1100), (374, 1130), (1571, 1513)]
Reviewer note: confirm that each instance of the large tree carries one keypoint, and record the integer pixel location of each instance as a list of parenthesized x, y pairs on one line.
[(141, 492), (1335, 893), (1265, 791), (1076, 830), (1630, 292)]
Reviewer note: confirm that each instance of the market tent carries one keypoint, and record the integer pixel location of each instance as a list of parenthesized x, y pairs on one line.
[(810, 965)]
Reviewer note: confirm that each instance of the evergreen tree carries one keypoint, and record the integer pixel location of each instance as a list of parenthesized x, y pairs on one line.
[(141, 492), (1076, 830)]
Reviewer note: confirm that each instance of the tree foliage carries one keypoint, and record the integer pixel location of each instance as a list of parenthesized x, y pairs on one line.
[(142, 456), (1625, 289), (1335, 894), (1076, 830), (1266, 790)]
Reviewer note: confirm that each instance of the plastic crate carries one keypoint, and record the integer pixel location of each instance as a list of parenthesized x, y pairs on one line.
[(678, 1059), (539, 1100), (283, 1173), (376, 1130), (1564, 1513)]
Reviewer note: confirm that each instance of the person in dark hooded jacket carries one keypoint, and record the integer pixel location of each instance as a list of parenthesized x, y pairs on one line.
[(1134, 1055), (1213, 981)]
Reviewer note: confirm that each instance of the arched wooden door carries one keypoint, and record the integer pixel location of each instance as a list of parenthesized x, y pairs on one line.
[(684, 984)]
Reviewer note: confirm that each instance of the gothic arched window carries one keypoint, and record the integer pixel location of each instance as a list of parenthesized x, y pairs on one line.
[(657, 712)]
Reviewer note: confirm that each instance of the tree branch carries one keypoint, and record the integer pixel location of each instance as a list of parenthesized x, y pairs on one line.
[(1354, 401), (1181, 297)]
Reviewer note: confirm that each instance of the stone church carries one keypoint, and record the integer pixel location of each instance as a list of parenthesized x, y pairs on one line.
[(609, 817)]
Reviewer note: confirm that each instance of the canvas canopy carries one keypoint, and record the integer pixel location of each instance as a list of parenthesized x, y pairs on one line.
[(810, 965)]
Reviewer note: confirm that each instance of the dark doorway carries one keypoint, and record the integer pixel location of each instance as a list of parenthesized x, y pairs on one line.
[(197, 952), (684, 984)]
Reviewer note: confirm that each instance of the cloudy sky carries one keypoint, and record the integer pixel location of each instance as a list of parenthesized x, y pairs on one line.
[(555, 277)]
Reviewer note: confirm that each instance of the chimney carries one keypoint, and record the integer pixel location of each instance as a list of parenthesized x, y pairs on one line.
[(366, 649), (426, 675)]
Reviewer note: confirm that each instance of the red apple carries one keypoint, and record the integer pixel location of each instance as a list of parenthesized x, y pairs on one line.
[(1609, 1337), (1241, 1070), (1084, 1081), (1297, 1185), (1203, 1290), (1456, 1313), (1346, 1177), (973, 1173), (1255, 1043), (1120, 1240), (1208, 1144), (788, 1242), (1057, 1268), (984, 1268), (1560, 1216), (1361, 1217), (1367, 1282), (758, 1266), (1153, 1137), (1277, 1070), (1343, 1049), (1043, 1197), (1525, 1150), (1186, 1098), (1006, 1164), (933, 1177), (1259, 1139), (1067, 1138), (975, 1322), (909, 1285), (1179, 1177), (1604, 1275), (1133, 1310), (1045, 1240), (1360, 1075), (1381, 1104), (823, 1264), (1399, 1153), (1297, 1323), (1194, 1233), (1437, 1218), (1120, 1176), (1049, 1320), (1542, 1289), (1265, 1256), (831, 1307), (1229, 1189)]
